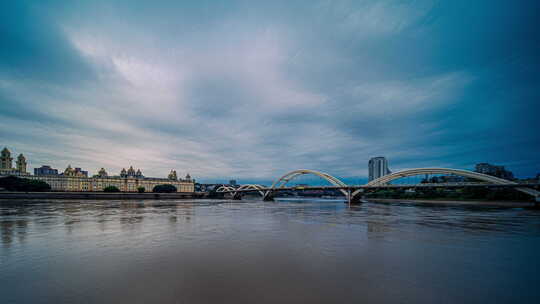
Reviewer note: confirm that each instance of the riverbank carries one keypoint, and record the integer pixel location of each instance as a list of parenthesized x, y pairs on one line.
[(450, 202), (98, 195)]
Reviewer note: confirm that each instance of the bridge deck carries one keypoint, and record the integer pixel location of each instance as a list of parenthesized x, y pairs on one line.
[(389, 186)]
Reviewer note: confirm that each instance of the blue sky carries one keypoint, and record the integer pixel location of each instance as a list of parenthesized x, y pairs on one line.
[(253, 89)]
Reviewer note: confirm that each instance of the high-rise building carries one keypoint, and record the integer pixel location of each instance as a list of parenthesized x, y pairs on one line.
[(378, 167), (497, 171)]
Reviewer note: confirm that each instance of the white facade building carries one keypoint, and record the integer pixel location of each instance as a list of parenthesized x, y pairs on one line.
[(75, 179)]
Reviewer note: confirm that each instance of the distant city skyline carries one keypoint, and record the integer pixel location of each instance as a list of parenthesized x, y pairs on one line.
[(377, 167), (248, 91)]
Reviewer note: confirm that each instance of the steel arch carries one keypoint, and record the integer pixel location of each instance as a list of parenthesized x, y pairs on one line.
[(252, 186), (225, 189), (475, 175), (282, 181)]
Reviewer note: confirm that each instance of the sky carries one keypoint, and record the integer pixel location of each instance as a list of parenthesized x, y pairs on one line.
[(253, 89)]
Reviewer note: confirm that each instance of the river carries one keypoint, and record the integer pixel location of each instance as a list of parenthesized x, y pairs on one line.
[(219, 251)]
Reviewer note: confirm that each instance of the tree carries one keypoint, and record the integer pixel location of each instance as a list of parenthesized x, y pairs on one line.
[(111, 189), (141, 189), (475, 192), (13, 183), (165, 188)]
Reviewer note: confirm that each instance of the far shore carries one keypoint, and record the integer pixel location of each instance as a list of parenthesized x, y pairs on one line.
[(515, 204)]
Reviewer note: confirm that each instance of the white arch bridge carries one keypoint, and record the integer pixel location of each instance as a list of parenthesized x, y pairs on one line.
[(353, 193)]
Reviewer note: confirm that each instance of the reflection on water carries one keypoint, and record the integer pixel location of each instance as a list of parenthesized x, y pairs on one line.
[(255, 252)]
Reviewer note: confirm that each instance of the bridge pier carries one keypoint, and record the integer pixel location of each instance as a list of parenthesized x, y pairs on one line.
[(353, 199), (268, 197)]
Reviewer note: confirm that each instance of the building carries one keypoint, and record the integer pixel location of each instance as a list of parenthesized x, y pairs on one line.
[(80, 172), (232, 182), (6, 164), (132, 173), (493, 170), (172, 175), (378, 167), (45, 170), (102, 173), (76, 179), (127, 181), (75, 172)]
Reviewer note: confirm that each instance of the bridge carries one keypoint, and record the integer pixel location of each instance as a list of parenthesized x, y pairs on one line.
[(353, 193)]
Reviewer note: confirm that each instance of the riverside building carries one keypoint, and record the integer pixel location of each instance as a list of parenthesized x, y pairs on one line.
[(77, 180), (6, 164)]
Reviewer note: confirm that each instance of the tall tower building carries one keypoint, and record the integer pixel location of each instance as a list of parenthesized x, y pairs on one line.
[(21, 163), (378, 167), (6, 161)]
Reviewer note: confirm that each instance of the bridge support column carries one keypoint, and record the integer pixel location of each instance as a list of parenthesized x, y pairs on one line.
[(353, 199), (268, 197)]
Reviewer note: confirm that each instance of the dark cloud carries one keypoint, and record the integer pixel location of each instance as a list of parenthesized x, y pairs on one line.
[(34, 46)]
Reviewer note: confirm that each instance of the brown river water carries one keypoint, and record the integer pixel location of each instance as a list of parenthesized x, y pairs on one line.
[(219, 251)]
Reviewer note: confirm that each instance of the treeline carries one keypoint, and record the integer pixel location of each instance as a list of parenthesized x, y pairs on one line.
[(13, 183), (468, 193), (165, 188)]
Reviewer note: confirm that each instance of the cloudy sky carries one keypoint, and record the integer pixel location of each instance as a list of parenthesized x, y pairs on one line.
[(253, 89)]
